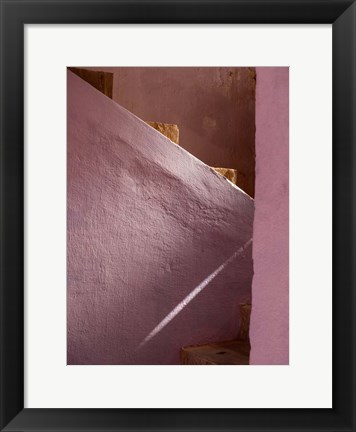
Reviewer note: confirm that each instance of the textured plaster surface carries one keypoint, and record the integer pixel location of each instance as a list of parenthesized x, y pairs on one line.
[(269, 330), (214, 108), (159, 245)]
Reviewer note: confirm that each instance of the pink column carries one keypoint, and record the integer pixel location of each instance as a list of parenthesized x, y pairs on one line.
[(269, 331)]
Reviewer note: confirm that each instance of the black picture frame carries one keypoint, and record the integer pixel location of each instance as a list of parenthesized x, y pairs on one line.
[(14, 14)]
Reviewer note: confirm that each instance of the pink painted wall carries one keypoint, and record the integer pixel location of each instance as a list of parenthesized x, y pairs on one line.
[(159, 245), (269, 331), (214, 108)]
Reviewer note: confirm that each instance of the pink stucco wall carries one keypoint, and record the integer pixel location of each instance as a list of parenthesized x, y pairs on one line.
[(214, 108), (159, 245), (269, 331)]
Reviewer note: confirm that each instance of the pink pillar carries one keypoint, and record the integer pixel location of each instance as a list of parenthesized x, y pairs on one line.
[(269, 331)]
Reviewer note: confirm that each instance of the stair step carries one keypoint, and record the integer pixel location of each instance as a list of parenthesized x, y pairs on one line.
[(102, 81), (235, 176), (229, 173), (235, 352), (171, 131)]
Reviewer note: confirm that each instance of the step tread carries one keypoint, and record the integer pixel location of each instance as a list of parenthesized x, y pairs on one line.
[(234, 352)]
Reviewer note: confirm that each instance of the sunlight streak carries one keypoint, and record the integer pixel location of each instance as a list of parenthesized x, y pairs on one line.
[(192, 295)]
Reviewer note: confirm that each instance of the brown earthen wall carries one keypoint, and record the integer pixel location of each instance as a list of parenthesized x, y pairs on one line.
[(214, 108)]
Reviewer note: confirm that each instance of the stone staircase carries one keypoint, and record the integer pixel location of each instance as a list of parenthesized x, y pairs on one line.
[(228, 352)]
